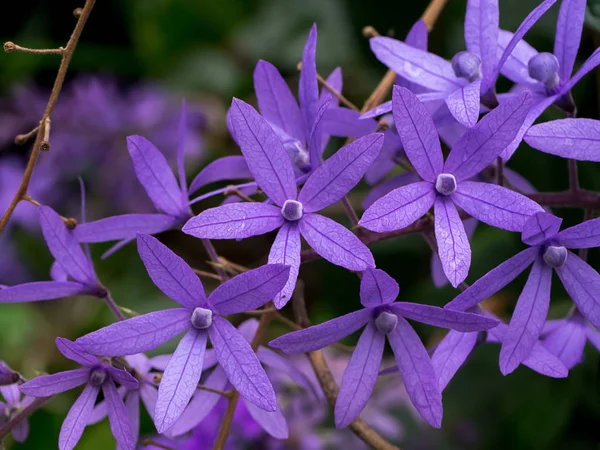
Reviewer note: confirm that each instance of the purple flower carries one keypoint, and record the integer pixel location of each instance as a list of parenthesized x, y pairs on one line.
[(566, 338), (95, 374), (200, 317), (383, 318), (13, 406), (72, 272), (445, 185), (548, 251), (295, 212)]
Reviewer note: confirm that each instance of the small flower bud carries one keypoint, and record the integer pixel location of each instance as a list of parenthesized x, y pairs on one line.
[(201, 318), (386, 322), (9, 46), (97, 377), (467, 65), (445, 183), (555, 256), (544, 67), (299, 155), (7, 375), (292, 210)]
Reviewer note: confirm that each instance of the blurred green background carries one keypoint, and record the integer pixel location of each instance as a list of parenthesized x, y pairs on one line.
[(206, 51)]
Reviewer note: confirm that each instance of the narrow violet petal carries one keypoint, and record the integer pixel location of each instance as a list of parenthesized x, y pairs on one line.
[(593, 336), (170, 273), (385, 162), (149, 394), (315, 139), (241, 365), (568, 35), (516, 66), (123, 227), (481, 32), (181, 152), (155, 175), (389, 185), (420, 67), (282, 364), (249, 290), (399, 208), (64, 247), (540, 227), (75, 352), (336, 81), (180, 379), (132, 405), (345, 122), (528, 318), (117, 417), (584, 235), (417, 372), (286, 250), (380, 110), (567, 342), (57, 273), (322, 335), (124, 378), (48, 385), (494, 280), (265, 155), (377, 288), (417, 35), (335, 243), (77, 418), (21, 431), (225, 168), (591, 63), (340, 173), (545, 363), (360, 376), (11, 393), (438, 276), (453, 245), (276, 102), (202, 403), (495, 205), (463, 104), (235, 221), (418, 134), (483, 143), (569, 138), (273, 422), (41, 290), (582, 283), (98, 413), (443, 318), (450, 354), (308, 87)]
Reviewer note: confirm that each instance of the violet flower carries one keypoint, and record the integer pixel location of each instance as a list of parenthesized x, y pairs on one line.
[(566, 338), (383, 318), (549, 76), (295, 212), (548, 251), (13, 406), (445, 185), (72, 272), (200, 318), (96, 374)]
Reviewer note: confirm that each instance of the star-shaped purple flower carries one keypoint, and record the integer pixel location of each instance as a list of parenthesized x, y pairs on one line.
[(200, 318), (293, 212), (96, 374), (72, 272), (383, 318), (548, 251), (13, 406), (445, 185)]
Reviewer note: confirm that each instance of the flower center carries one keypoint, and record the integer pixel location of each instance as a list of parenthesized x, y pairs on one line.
[(467, 65), (445, 184), (555, 256), (201, 318), (97, 377), (292, 210), (544, 68), (386, 322)]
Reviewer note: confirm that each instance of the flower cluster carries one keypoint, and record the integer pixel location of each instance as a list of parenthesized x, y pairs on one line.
[(287, 185)]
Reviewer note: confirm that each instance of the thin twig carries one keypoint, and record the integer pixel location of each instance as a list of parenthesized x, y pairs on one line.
[(12, 47), (235, 191), (21, 139), (56, 88), (499, 171), (573, 176), (214, 257), (226, 394), (202, 273), (294, 326), (152, 442), (70, 222), (114, 307)]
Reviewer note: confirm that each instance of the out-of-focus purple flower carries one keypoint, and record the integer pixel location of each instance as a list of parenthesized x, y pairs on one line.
[(12, 406)]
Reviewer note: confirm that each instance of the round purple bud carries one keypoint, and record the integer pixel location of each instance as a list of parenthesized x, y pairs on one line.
[(544, 67), (298, 155), (445, 184), (201, 318), (292, 210), (555, 256), (386, 322), (97, 377), (467, 65)]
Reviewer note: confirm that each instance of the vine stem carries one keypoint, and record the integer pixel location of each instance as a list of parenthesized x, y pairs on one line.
[(41, 135), (214, 257)]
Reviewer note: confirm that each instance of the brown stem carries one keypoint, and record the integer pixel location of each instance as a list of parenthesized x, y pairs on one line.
[(202, 273), (499, 171), (56, 88), (573, 176), (214, 257), (432, 13), (568, 199), (343, 100), (21, 139), (226, 394), (12, 47)]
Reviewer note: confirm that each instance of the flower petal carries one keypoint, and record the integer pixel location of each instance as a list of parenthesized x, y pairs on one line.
[(75, 352), (450, 354), (118, 418), (584, 235), (48, 385), (591, 63), (124, 378), (286, 250), (443, 318), (308, 87), (282, 364), (567, 342), (516, 66), (389, 185), (569, 138), (463, 104), (377, 288), (77, 418), (568, 35), (41, 290), (124, 227), (225, 168), (481, 32), (345, 122), (540, 227), (273, 422)]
